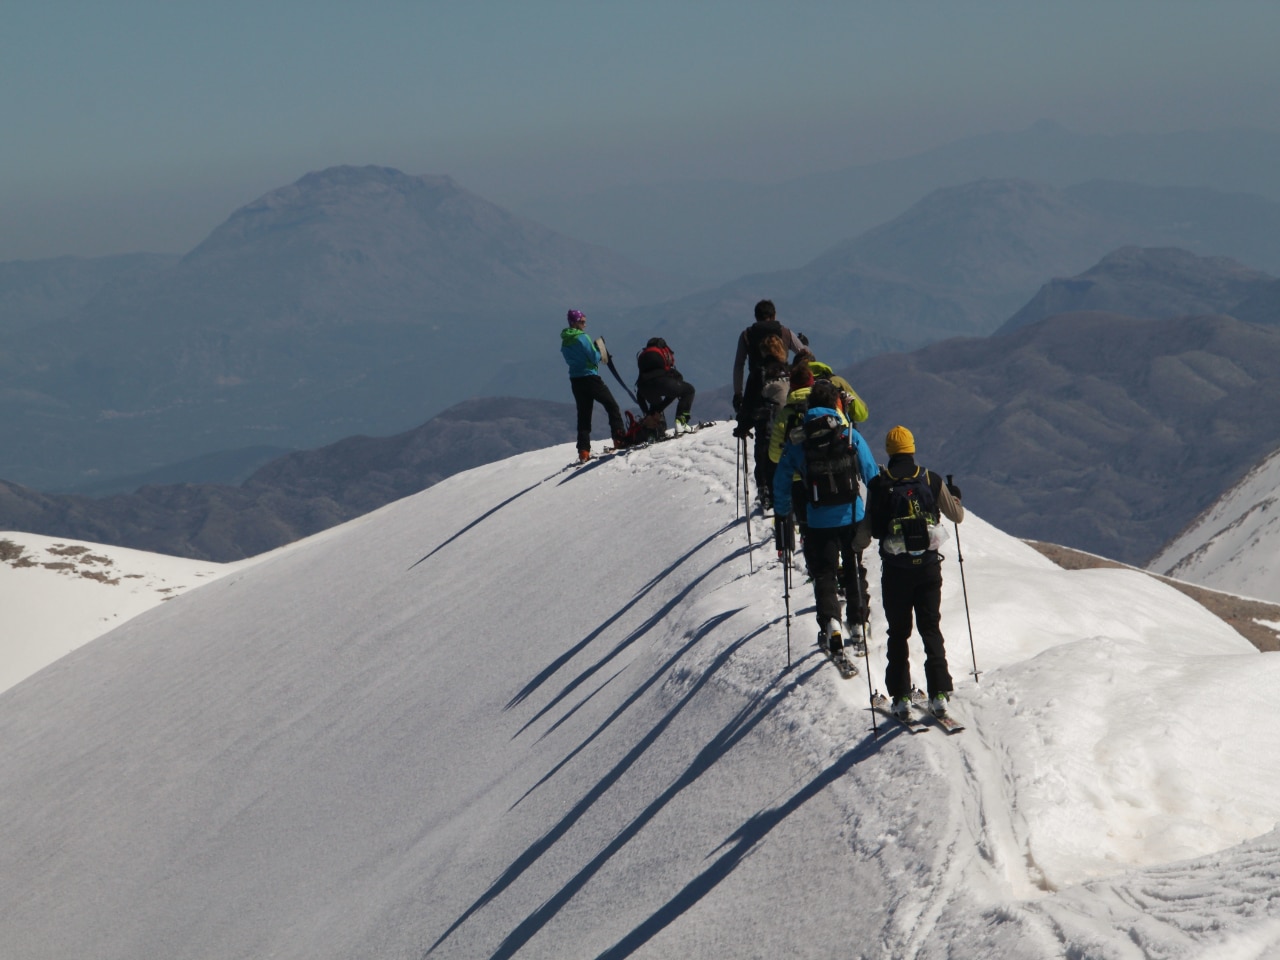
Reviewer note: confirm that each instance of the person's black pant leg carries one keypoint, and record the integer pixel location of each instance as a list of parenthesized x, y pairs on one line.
[(853, 577), (684, 403), (583, 398), (928, 609), (611, 409), (822, 556), (896, 591), (765, 467), (589, 390)]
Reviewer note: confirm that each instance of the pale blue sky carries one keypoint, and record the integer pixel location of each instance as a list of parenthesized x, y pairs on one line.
[(130, 125)]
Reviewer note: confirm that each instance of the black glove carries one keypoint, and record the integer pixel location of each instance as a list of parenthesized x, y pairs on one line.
[(742, 430), (784, 535), (737, 403), (952, 488)]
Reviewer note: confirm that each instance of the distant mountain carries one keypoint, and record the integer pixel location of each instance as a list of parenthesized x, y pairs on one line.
[(959, 262), (355, 300), (719, 230), (33, 292), (370, 244), (1097, 431), (1263, 306), (1159, 282), (298, 494), (225, 466)]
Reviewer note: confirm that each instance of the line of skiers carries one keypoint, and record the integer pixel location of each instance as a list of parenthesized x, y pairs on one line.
[(808, 461)]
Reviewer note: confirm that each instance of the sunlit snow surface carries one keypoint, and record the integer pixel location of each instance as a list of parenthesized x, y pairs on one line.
[(545, 713)]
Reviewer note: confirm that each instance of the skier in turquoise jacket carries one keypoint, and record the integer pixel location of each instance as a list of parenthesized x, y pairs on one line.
[(583, 358)]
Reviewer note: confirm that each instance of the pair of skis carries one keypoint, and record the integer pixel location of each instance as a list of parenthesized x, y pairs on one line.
[(688, 429), (920, 717), (614, 451)]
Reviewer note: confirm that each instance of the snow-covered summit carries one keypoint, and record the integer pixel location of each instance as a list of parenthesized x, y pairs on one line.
[(541, 712)]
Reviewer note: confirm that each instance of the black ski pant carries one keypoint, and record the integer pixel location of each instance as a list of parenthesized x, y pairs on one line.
[(905, 591), (799, 505), (586, 392), (756, 414), (656, 395), (765, 468), (832, 559)]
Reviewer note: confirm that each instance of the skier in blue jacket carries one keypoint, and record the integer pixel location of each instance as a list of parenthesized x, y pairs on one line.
[(836, 534), (583, 358)]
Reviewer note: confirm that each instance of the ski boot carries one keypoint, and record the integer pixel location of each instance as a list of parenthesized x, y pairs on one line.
[(835, 643)]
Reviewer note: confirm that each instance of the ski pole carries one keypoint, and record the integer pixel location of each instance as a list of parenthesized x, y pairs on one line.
[(965, 590), (871, 694), (737, 483), (608, 359), (746, 506), (785, 537)]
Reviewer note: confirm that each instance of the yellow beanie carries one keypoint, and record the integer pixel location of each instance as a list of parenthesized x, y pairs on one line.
[(899, 441)]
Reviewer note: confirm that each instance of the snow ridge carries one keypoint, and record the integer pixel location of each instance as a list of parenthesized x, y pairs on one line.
[(540, 712)]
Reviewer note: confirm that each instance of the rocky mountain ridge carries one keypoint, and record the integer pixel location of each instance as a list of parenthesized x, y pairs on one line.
[(1097, 431), (959, 262), (295, 495), (1160, 282)]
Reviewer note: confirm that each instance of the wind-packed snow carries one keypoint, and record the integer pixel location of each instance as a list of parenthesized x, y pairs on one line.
[(1235, 544), (545, 713)]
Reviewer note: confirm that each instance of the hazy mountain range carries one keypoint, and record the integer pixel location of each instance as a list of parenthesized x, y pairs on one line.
[(1161, 283), (33, 292), (294, 495), (720, 230), (356, 300), (1096, 430), (957, 263), (1051, 426), (361, 301)]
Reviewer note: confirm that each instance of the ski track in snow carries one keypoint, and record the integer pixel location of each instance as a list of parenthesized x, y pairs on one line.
[(965, 787), (978, 834)]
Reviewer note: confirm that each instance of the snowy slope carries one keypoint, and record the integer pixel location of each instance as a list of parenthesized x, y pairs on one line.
[(539, 713), (1235, 544), (57, 594)]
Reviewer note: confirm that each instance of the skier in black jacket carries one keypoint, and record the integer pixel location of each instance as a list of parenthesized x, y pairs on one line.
[(905, 504), (660, 383), (754, 413)]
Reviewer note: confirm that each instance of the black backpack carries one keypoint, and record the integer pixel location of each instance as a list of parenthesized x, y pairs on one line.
[(655, 359), (831, 469), (912, 510)]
